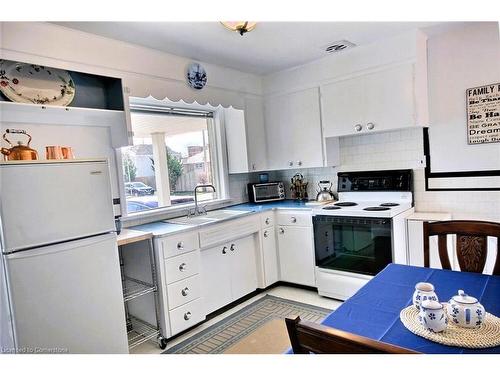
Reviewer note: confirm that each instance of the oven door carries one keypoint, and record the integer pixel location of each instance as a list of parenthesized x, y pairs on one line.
[(352, 244)]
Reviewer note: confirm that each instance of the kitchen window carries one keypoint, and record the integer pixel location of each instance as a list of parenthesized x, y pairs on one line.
[(174, 150)]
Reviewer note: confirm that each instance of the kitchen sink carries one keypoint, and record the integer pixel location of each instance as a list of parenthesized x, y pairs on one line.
[(210, 217)]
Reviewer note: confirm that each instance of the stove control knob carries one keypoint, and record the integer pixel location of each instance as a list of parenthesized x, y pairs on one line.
[(370, 126), (358, 127)]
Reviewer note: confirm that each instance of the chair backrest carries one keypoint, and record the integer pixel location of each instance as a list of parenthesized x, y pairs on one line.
[(308, 337), (471, 245)]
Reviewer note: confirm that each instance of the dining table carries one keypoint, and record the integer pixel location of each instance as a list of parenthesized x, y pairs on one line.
[(374, 310)]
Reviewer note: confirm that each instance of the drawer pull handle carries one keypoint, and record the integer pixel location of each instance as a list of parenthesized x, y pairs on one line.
[(183, 267), (180, 245), (266, 234), (282, 230), (294, 219), (185, 291), (187, 315), (267, 221), (232, 247)]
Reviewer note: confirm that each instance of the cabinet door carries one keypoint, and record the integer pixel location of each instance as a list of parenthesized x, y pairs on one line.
[(270, 256), (389, 99), (256, 134), (236, 140), (243, 266), (296, 255), (305, 127), (343, 105), (216, 278), (278, 134)]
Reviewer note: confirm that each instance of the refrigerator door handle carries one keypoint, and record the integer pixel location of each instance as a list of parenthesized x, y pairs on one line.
[(60, 247)]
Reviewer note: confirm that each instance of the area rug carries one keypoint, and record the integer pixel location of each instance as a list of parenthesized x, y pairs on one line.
[(258, 328)]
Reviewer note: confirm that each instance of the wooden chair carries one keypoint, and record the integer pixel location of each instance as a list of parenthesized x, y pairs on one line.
[(308, 337), (472, 243)]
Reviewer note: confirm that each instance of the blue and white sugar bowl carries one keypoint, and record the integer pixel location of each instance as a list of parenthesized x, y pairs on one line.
[(432, 315), (465, 311), (424, 292)]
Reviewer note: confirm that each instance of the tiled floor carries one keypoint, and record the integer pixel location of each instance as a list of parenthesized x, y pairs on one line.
[(291, 293)]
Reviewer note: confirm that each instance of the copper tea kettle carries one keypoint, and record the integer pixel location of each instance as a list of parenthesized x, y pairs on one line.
[(19, 152)]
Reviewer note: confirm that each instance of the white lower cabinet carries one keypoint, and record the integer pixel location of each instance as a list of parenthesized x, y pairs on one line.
[(243, 266), (270, 256), (216, 277), (184, 291), (229, 272), (296, 254), (185, 316), (179, 282)]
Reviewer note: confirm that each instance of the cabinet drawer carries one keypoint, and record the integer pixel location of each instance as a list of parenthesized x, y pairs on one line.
[(182, 266), (186, 316), (267, 219), (294, 218), (183, 291), (179, 244)]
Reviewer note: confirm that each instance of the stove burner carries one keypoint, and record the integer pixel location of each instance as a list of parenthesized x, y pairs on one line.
[(390, 204), (378, 208), (346, 204), (332, 208)]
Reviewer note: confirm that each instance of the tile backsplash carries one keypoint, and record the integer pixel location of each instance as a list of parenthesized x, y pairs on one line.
[(401, 149), (398, 149)]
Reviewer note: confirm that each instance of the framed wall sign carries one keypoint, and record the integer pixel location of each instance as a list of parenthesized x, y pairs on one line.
[(483, 114)]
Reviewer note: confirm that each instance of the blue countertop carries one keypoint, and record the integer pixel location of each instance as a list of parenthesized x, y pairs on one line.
[(260, 207), (161, 228)]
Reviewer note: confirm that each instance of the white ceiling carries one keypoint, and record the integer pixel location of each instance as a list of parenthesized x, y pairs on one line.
[(271, 47)]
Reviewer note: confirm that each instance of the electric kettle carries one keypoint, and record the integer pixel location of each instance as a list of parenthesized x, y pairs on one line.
[(325, 193), (19, 152)]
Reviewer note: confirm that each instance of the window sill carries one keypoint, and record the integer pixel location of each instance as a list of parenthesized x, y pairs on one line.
[(144, 217)]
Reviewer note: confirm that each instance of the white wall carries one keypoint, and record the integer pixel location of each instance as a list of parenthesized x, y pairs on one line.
[(457, 60)]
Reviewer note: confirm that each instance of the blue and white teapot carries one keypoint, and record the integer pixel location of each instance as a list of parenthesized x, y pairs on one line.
[(465, 311)]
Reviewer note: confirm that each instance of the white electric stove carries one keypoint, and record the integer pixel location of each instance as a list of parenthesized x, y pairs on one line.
[(356, 237)]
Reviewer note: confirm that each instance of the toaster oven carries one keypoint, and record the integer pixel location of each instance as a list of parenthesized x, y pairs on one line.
[(266, 192)]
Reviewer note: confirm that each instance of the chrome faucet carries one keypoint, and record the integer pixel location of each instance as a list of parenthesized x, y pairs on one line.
[(198, 211)]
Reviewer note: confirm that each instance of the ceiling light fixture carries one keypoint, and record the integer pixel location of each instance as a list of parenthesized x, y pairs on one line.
[(241, 27)]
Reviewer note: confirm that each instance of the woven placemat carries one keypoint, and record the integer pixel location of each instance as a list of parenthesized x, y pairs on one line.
[(486, 336)]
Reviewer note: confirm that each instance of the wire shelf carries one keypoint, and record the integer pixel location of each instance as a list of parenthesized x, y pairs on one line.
[(133, 288), (140, 332)]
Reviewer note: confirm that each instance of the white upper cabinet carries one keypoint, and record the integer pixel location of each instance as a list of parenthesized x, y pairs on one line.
[(245, 137), (236, 140), (293, 130), (342, 105), (256, 134), (378, 101)]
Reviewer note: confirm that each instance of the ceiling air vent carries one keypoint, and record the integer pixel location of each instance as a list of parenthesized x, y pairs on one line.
[(341, 45)]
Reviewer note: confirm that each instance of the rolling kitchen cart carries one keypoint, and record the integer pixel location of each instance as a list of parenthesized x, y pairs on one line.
[(139, 329)]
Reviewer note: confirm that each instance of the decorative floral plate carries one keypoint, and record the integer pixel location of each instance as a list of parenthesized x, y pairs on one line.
[(196, 76), (36, 84)]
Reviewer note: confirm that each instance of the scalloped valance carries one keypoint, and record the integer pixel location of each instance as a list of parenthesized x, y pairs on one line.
[(176, 91)]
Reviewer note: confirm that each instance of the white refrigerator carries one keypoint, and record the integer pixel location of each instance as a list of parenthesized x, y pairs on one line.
[(63, 291)]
